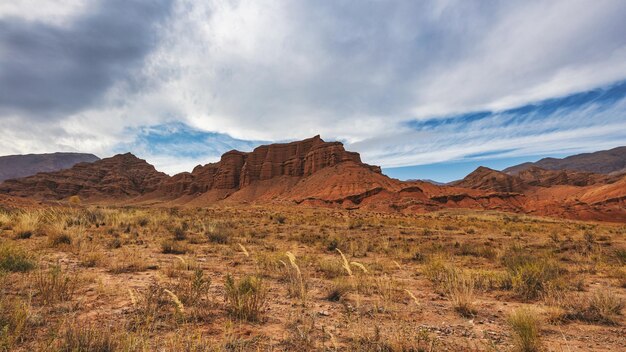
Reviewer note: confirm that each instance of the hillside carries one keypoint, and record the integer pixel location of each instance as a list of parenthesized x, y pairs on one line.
[(16, 166), (600, 162), (118, 177), (317, 173)]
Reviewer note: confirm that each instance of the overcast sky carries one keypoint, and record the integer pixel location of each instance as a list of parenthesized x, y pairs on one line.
[(405, 83)]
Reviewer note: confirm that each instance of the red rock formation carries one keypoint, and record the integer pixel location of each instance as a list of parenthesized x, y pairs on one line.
[(321, 173), (121, 176), (237, 170)]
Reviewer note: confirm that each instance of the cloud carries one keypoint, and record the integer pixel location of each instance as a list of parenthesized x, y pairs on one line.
[(582, 122), (48, 70), (282, 70), (95, 78)]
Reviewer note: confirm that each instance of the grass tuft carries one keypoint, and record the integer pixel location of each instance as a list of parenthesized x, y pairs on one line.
[(246, 298), (15, 259), (525, 328)]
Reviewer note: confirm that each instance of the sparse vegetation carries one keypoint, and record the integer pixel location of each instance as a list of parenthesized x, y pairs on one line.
[(142, 279)]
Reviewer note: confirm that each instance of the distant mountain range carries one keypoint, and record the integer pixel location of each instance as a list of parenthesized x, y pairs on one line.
[(601, 162), (17, 166), (318, 173)]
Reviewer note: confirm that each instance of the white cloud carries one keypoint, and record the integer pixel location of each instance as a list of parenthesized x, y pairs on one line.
[(589, 127), (58, 12), (280, 70)]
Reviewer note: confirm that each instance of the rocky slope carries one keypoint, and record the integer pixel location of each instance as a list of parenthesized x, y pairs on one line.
[(121, 176), (492, 180), (318, 173), (16, 166), (601, 162)]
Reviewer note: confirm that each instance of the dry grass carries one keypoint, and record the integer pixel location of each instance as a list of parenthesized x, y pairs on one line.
[(77, 336), (14, 323), (54, 285), (525, 327), (297, 286), (246, 298), (14, 258), (600, 307), (308, 280), (460, 288), (28, 223)]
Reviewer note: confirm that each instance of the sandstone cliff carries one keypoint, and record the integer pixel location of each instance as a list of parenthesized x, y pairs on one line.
[(237, 170)]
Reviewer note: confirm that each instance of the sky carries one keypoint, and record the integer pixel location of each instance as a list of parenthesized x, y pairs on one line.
[(426, 89)]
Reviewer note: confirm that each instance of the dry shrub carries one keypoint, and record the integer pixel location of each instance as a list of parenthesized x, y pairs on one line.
[(437, 270), (460, 289), (292, 274), (53, 285), (525, 328), (531, 279), (487, 280), (180, 232), (181, 265), (15, 259), (476, 250), (91, 259), (246, 298), (58, 239), (302, 334), (620, 275), (339, 289), (153, 306), (193, 288), (456, 284), (601, 307), (128, 262), (331, 268), (400, 338), (77, 336), (620, 256), (269, 263), (530, 275), (604, 307), (14, 321), (75, 200), (221, 233), (5, 220), (386, 288), (28, 222), (190, 341), (173, 247)]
